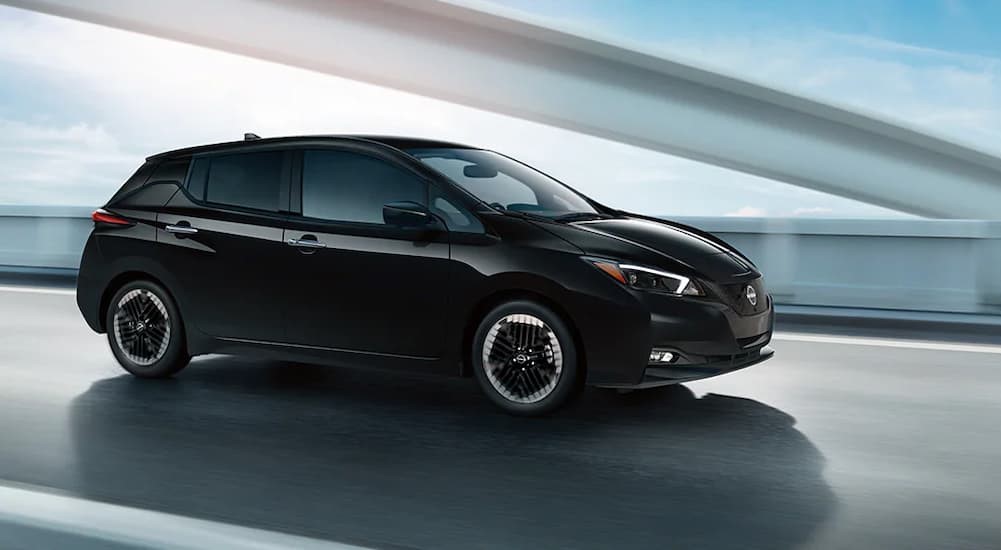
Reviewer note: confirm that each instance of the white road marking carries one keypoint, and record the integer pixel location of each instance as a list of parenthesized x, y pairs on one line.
[(99, 522), (38, 290), (886, 342)]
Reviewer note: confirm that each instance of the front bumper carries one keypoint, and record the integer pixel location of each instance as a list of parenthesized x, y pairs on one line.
[(706, 338), (655, 376)]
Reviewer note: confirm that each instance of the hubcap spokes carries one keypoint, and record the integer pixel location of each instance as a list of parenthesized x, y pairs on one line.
[(522, 358), (142, 327)]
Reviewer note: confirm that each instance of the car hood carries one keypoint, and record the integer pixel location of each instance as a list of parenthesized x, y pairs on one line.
[(709, 258)]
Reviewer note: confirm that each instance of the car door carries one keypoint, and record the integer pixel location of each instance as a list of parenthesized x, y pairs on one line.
[(221, 238), (356, 283)]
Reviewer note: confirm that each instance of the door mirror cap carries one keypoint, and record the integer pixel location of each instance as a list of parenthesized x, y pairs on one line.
[(406, 214)]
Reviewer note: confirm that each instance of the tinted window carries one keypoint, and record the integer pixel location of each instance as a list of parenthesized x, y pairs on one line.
[(343, 186), (198, 177), (248, 180), (456, 218), (133, 183), (505, 184), (171, 170)]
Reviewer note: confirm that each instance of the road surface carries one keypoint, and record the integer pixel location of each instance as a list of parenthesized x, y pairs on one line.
[(838, 442)]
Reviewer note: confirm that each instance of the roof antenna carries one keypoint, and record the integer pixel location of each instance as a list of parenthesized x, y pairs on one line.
[(250, 136)]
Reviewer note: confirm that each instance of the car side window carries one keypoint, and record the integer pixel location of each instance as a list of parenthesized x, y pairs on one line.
[(352, 187), (198, 177), (171, 170), (245, 180), (456, 218)]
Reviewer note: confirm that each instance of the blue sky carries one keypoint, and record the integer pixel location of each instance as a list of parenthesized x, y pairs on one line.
[(77, 117), (951, 25)]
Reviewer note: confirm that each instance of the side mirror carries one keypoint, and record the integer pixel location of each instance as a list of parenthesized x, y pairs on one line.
[(406, 214)]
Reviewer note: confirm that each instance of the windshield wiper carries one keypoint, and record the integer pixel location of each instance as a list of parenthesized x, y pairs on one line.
[(527, 215), (579, 216), (570, 217)]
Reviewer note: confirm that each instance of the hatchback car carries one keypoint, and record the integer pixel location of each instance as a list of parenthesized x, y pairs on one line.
[(399, 253)]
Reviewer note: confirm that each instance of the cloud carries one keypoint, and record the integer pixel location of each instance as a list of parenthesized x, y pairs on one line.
[(950, 94), (812, 211), (47, 163), (83, 116), (747, 212), (78, 139)]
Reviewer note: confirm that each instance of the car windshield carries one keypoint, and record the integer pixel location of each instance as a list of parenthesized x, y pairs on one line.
[(506, 184)]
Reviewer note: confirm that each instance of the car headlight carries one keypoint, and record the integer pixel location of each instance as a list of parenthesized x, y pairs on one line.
[(648, 278)]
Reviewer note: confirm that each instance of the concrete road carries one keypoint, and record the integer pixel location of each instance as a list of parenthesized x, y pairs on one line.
[(835, 443)]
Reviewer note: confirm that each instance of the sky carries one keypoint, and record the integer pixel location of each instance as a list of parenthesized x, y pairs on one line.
[(78, 115), (958, 26)]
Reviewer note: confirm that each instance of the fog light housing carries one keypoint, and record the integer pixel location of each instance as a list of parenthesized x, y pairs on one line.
[(661, 356)]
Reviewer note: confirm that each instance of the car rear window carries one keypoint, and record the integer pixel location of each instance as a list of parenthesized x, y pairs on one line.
[(174, 170), (245, 180), (135, 182)]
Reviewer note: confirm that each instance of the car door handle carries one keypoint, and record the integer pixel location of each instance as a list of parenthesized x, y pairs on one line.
[(306, 243), (181, 229)]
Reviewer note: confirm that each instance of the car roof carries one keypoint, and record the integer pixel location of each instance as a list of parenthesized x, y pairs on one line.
[(397, 142)]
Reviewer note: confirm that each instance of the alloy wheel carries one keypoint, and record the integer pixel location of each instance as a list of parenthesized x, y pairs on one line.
[(522, 358), (142, 326)]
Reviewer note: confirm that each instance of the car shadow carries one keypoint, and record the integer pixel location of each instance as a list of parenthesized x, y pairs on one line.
[(402, 460)]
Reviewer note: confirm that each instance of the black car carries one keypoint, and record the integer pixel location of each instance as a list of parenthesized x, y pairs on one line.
[(389, 252)]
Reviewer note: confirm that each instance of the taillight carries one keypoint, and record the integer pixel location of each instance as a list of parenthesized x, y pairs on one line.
[(103, 216)]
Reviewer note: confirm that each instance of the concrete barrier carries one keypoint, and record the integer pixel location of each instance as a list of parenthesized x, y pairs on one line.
[(917, 265), (920, 265), (49, 237)]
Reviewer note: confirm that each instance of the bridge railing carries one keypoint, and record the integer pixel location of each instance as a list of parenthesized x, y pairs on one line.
[(50, 237), (913, 264), (919, 265)]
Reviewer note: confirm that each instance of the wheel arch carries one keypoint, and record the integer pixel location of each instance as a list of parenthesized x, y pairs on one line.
[(122, 279)]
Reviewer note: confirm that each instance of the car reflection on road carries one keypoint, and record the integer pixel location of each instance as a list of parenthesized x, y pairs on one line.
[(394, 460)]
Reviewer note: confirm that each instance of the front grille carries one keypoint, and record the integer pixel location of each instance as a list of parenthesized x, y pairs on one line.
[(752, 341), (735, 359), (735, 296)]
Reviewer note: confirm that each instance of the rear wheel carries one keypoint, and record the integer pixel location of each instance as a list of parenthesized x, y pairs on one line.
[(525, 358), (145, 331)]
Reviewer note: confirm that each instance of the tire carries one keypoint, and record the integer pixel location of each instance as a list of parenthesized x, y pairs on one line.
[(145, 331), (525, 359)]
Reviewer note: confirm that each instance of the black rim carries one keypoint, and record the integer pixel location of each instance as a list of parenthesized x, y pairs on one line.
[(142, 327), (522, 358)]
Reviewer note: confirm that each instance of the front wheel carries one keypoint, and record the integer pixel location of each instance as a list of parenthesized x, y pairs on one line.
[(525, 359), (145, 331)]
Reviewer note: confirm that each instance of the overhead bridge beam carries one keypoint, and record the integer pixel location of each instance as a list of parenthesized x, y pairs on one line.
[(520, 68)]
